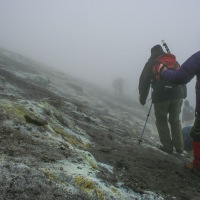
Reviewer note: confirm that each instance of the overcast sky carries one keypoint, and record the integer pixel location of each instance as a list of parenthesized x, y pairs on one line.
[(99, 40)]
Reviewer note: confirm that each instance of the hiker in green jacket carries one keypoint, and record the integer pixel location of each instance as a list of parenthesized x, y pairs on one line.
[(167, 100)]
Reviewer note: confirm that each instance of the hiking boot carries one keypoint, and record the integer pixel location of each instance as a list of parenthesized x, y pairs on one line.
[(192, 166), (189, 165), (182, 153), (179, 151), (169, 151)]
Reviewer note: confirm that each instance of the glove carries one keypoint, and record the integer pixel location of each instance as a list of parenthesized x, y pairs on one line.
[(162, 68), (142, 101)]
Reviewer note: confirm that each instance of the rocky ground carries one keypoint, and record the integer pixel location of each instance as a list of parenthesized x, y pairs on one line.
[(61, 138)]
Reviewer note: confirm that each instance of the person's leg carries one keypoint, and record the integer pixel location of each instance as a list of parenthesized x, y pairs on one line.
[(195, 134), (175, 124), (161, 112)]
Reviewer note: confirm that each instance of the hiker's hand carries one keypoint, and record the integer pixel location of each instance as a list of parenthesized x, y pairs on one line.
[(142, 101), (162, 68)]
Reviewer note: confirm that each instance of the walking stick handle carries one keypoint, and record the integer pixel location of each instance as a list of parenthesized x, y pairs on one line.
[(165, 45)]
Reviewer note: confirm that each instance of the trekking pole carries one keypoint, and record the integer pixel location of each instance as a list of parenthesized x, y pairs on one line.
[(141, 136), (166, 47)]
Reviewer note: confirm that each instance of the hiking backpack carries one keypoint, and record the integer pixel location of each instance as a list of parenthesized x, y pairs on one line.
[(167, 60)]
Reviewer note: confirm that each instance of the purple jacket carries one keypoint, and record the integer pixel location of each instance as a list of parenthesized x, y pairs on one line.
[(188, 70)]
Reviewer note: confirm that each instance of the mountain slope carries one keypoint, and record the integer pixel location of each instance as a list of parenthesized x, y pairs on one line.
[(62, 138)]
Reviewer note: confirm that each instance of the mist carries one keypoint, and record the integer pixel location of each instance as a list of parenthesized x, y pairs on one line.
[(99, 41)]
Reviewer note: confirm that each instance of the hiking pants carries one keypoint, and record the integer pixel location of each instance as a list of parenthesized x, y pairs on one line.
[(167, 113), (195, 132)]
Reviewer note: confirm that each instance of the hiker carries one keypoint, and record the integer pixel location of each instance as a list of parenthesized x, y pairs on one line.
[(118, 85), (187, 71), (188, 114), (167, 100)]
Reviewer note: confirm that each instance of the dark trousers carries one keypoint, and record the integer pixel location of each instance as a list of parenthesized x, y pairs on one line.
[(168, 123), (195, 131)]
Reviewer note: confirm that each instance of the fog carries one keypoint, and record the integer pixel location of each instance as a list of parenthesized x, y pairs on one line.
[(99, 40)]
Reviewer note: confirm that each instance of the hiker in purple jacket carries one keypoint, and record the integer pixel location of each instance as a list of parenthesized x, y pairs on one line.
[(189, 69)]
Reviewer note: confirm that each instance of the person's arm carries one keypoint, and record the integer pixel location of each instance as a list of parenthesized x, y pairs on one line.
[(144, 83), (188, 70)]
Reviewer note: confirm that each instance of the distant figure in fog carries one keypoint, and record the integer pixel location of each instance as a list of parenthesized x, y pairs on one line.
[(118, 86), (188, 114)]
